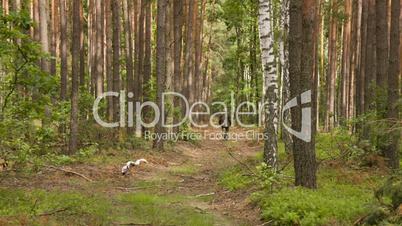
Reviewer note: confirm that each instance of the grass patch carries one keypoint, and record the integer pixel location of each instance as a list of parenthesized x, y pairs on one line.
[(163, 210), (184, 170), (28, 207), (235, 178)]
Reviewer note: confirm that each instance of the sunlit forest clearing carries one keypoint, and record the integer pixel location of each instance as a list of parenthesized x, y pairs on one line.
[(200, 112)]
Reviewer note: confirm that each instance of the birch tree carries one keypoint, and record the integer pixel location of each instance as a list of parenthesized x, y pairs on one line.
[(270, 83)]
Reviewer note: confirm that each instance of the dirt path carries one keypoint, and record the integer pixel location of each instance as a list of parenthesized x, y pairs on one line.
[(190, 170), (212, 158)]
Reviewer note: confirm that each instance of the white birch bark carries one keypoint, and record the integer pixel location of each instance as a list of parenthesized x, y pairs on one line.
[(270, 86), (285, 92)]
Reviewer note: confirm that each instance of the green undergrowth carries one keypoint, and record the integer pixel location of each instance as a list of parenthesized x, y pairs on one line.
[(28, 158), (145, 204), (39, 207), (338, 198), (235, 178), (184, 170), (329, 204), (162, 210), (344, 194), (56, 208)]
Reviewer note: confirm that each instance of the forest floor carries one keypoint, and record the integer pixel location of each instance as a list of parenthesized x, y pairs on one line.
[(180, 186)]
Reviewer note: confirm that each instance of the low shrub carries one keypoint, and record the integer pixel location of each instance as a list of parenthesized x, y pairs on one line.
[(299, 206), (234, 179)]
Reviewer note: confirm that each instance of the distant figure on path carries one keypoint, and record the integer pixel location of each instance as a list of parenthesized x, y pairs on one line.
[(225, 123)]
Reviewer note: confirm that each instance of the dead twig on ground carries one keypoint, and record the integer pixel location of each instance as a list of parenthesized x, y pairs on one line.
[(360, 221), (266, 223), (71, 172), (242, 163), (52, 212), (34, 206), (285, 166), (138, 188), (204, 195), (45, 214), (133, 224)]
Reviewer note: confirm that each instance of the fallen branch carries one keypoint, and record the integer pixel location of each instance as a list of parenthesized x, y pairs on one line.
[(284, 166), (242, 163), (52, 212), (360, 221), (70, 171), (203, 195), (266, 223), (133, 224), (137, 188)]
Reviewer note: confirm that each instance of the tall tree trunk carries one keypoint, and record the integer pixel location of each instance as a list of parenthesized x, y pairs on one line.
[(160, 67), (147, 58), (370, 56), (148, 49), (382, 60), (201, 46), (322, 103), (98, 48), (271, 83), (5, 7), (195, 31), (345, 75), (240, 66), (188, 61), (63, 50), (178, 44), (354, 59), (381, 26), (44, 32), (136, 42), (316, 65), (116, 55), (331, 74), (140, 51), (35, 17), (302, 15), (169, 63), (286, 117), (92, 39), (109, 56), (198, 47), (129, 53), (54, 27), (205, 74), (382, 64), (82, 48), (73, 144), (361, 69), (394, 75), (370, 64)]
